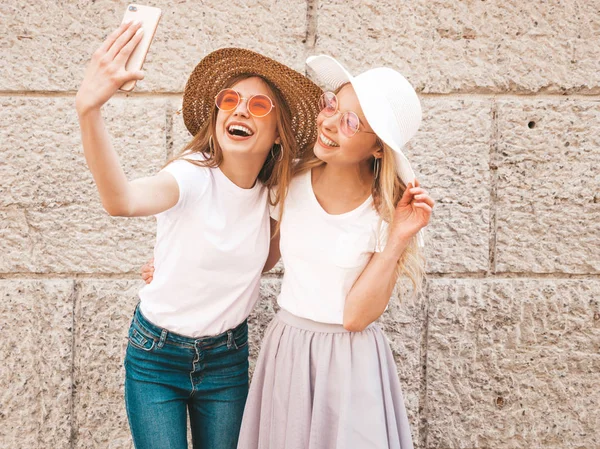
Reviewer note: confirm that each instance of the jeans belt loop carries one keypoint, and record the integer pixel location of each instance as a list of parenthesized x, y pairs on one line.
[(163, 338), (230, 340)]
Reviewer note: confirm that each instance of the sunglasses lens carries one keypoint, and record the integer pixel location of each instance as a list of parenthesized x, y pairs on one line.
[(349, 123), (328, 103), (227, 100), (260, 105)]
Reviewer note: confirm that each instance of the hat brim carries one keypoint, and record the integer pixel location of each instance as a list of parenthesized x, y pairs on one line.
[(215, 70)]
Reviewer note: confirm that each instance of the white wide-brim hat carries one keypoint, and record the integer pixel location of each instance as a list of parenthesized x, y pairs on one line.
[(389, 102)]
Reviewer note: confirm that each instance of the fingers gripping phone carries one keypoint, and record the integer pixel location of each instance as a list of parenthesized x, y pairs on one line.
[(149, 16)]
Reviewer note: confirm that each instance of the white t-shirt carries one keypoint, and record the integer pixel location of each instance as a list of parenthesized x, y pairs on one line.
[(323, 254), (209, 254)]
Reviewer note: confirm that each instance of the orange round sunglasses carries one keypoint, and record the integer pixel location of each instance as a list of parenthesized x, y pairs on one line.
[(258, 105)]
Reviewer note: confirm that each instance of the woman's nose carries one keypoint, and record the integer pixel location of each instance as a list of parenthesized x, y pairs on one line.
[(242, 108), (331, 122)]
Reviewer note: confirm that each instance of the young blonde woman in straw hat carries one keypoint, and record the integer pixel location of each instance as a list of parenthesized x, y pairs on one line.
[(352, 223), (187, 349), (325, 377)]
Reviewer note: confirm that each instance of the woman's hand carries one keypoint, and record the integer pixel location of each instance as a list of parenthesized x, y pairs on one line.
[(106, 71), (412, 213), (148, 271)]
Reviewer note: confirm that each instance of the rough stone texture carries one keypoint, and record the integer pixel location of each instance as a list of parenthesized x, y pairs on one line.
[(261, 316), (15, 244), (180, 136), (42, 159), (74, 239), (404, 325), (513, 364), (64, 36), (450, 156), (103, 314), (484, 46), (548, 208), (36, 354), (48, 192)]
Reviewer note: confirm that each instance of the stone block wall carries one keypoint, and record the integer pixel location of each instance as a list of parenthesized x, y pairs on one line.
[(502, 350)]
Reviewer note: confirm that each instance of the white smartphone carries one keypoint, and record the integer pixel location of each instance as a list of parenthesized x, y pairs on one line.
[(149, 16)]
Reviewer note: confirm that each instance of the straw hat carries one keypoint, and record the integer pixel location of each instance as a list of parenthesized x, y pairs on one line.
[(389, 103), (217, 68)]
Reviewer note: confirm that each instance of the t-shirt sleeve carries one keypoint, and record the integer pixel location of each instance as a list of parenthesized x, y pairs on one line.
[(381, 236), (192, 181)]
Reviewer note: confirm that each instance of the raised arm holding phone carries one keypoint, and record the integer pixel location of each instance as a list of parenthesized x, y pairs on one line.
[(187, 351)]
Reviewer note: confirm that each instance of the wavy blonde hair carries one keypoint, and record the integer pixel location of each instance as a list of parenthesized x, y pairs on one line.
[(387, 190), (277, 169)]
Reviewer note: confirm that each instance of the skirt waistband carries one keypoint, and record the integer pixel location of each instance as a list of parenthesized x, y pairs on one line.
[(310, 325)]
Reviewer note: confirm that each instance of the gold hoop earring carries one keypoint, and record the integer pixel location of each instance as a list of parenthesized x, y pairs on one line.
[(280, 158), (376, 167)]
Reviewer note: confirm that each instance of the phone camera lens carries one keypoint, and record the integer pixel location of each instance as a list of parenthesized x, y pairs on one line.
[(132, 8)]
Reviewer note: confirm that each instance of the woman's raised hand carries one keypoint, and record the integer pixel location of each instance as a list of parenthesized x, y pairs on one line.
[(106, 71), (412, 212), (148, 271)]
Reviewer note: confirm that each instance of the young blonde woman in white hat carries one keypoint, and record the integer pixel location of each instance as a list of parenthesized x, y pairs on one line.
[(187, 348), (326, 377)]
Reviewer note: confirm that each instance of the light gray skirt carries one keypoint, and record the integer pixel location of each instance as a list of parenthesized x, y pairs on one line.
[(318, 386)]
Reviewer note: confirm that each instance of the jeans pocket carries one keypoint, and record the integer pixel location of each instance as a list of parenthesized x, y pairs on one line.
[(140, 340)]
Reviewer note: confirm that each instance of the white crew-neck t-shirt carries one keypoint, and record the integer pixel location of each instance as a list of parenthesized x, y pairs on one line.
[(323, 254), (210, 251)]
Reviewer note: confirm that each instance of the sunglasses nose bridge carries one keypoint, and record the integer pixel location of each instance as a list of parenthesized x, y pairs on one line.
[(242, 106), (332, 121)]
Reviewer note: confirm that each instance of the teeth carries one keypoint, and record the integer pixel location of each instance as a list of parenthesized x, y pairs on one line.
[(328, 142), (240, 128)]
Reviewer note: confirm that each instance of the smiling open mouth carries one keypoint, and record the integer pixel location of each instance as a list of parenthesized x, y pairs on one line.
[(327, 141), (238, 130)]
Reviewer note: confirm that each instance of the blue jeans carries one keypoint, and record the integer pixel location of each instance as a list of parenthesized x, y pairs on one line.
[(167, 375)]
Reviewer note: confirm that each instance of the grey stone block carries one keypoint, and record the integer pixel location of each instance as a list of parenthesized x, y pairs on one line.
[(74, 239), (103, 313), (448, 46), (450, 156), (43, 161), (36, 354), (404, 325), (180, 136), (548, 208), (513, 363), (53, 218), (49, 50), (262, 315)]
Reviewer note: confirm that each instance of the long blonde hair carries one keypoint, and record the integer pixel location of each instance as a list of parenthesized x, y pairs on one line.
[(277, 169), (387, 190)]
